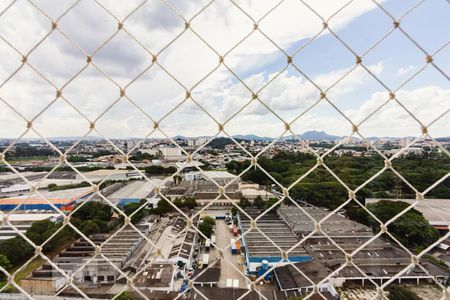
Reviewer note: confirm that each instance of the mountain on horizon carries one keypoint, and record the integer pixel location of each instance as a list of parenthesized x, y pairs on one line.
[(308, 135), (249, 137), (319, 135)]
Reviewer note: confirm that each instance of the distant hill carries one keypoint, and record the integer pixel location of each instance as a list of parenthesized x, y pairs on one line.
[(308, 135), (220, 142), (319, 135), (180, 137), (389, 138), (443, 139), (253, 137)]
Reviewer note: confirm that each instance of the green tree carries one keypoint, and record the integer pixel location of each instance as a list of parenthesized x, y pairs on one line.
[(190, 203), (16, 250), (94, 210), (259, 202), (271, 202), (244, 202), (163, 207), (322, 189), (139, 156), (411, 229), (256, 176), (234, 210), (397, 292), (178, 202), (52, 186), (160, 170), (4, 262), (89, 227), (125, 296), (40, 231), (206, 226), (77, 158), (209, 220), (131, 208), (206, 229), (102, 225)]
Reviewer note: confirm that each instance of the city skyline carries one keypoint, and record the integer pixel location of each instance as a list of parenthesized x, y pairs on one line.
[(312, 135)]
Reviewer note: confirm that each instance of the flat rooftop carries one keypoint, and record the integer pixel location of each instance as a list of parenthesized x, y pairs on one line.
[(381, 258), (11, 176), (217, 293), (271, 225), (43, 183), (289, 278), (336, 224), (56, 197), (157, 275), (118, 250), (32, 217), (136, 189), (252, 192), (106, 172)]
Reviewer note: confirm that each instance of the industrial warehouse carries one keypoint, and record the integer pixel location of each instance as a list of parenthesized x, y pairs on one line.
[(203, 186), (166, 253), (82, 260), (135, 191), (376, 262), (64, 200), (259, 248)]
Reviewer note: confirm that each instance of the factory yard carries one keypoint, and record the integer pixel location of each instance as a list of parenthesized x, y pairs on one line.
[(228, 272)]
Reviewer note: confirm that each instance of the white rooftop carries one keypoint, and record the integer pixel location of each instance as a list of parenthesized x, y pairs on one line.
[(219, 174), (250, 192), (9, 176), (136, 189), (32, 217)]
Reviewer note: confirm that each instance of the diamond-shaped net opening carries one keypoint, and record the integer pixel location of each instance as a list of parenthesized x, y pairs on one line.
[(225, 149)]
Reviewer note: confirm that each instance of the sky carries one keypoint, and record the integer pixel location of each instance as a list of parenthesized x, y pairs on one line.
[(254, 65)]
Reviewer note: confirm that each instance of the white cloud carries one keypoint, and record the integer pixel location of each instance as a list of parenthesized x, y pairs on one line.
[(406, 70), (188, 59), (390, 120), (426, 103)]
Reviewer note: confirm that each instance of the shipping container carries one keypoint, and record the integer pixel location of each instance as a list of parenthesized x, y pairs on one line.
[(205, 260), (235, 230)]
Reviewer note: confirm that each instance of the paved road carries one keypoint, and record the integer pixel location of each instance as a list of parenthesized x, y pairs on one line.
[(223, 237)]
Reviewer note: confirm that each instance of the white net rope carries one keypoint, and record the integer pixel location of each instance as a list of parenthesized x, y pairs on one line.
[(155, 126)]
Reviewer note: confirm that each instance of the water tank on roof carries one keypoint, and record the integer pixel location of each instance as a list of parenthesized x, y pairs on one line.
[(265, 264), (263, 269)]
